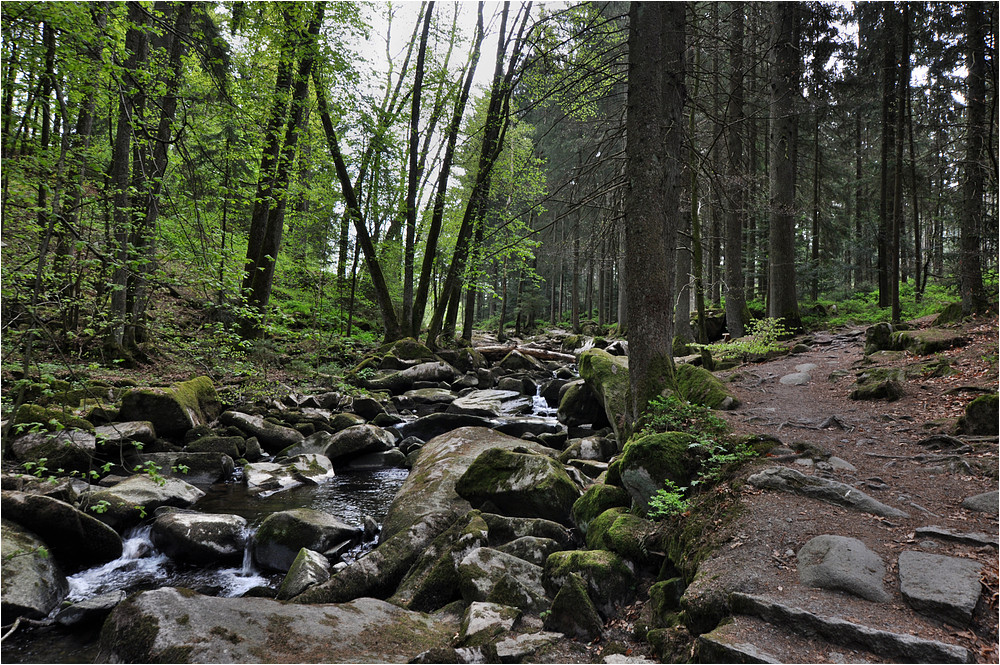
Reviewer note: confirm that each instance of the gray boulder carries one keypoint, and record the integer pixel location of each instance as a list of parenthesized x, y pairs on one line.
[(266, 478), (531, 549), (200, 538), (399, 382), (90, 611), (358, 440), (485, 403), (436, 424), (506, 529), (610, 580), (987, 502), (233, 446), (579, 405), (845, 564), (116, 435), (483, 623), (145, 629), (430, 487), (70, 449), (128, 502), (596, 448), (943, 587), (311, 469), (520, 484), (307, 569), (272, 438), (520, 425), (76, 538), (489, 575), (981, 416), (199, 469), (388, 459), (33, 585), (573, 613), (281, 535)]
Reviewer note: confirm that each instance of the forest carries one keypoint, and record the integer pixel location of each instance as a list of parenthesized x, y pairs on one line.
[(499, 332), (212, 179)]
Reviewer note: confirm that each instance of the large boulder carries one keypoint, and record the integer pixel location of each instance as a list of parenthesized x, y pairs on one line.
[(485, 623), (76, 538), (598, 498), (648, 461), (175, 410), (943, 587), (32, 582), (515, 361), (879, 383), (488, 575), (433, 580), (595, 448), (273, 438), (281, 535), (579, 405), (199, 469), (401, 381), (130, 501), (69, 450), (146, 629), (607, 376), (436, 424), (430, 487), (699, 386), (519, 484), (928, 340), (506, 529), (487, 403), (358, 440), (610, 581), (573, 613), (116, 435), (34, 417), (200, 538)]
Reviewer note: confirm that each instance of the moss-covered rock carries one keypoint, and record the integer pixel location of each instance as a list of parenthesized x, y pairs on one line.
[(130, 501), (342, 421), (33, 416), (484, 623), (681, 347), (628, 536), (308, 568), (175, 410), (33, 585), (599, 527), (571, 343), (610, 581), (648, 461), (516, 361), (879, 337), (699, 386), (505, 529), (598, 498), (950, 313), (879, 383), (520, 484), (410, 349), (607, 376), (665, 600), (981, 416), (432, 582), (929, 340), (573, 613), (234, 446)]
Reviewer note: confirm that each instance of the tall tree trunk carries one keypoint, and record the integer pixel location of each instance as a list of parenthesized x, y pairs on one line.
[(575, 296), (918, 287), (814, 277), (413, 179), (903, 89), (782, 301), (970, 267), (437, 214), (696, 251), (735, 212), (886, 174), (653, 164)]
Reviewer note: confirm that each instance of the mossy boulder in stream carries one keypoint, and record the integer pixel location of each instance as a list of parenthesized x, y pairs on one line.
[(520, 484), (650, 460), (573, 613), (33, 585), (607, 376), (200, 538), (281, 535), (56, 452), (699, 386), (175, 410), (35, 417), (580, 406), (488, 575)]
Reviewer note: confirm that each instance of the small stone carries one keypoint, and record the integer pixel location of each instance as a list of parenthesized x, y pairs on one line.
[(987, 502)]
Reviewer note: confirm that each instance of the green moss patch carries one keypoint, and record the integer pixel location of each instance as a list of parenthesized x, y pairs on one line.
[(699, 386), (596, 500)]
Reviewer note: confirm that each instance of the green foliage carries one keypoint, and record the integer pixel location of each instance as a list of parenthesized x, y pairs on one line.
[(862, 307), (761, 338), (668, 501), (672, 414)]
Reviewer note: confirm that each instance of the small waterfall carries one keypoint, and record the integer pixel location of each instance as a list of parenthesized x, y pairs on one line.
[(140, 561), (539, 407)]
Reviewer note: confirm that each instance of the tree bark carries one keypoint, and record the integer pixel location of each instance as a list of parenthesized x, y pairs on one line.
[(735, 293), (782, 301), (970, 267), (655, 105)]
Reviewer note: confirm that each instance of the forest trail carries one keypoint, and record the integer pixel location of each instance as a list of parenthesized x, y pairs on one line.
[(880, 449)]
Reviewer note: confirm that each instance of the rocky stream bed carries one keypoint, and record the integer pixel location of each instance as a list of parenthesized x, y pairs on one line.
[(481, 508)]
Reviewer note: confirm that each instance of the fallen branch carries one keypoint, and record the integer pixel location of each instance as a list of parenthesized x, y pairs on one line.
[(500, 351)]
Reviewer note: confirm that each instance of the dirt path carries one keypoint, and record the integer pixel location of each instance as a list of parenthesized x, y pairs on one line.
[(873, 447)]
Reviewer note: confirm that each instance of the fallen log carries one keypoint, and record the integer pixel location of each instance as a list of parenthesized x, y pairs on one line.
[(499, 351)]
